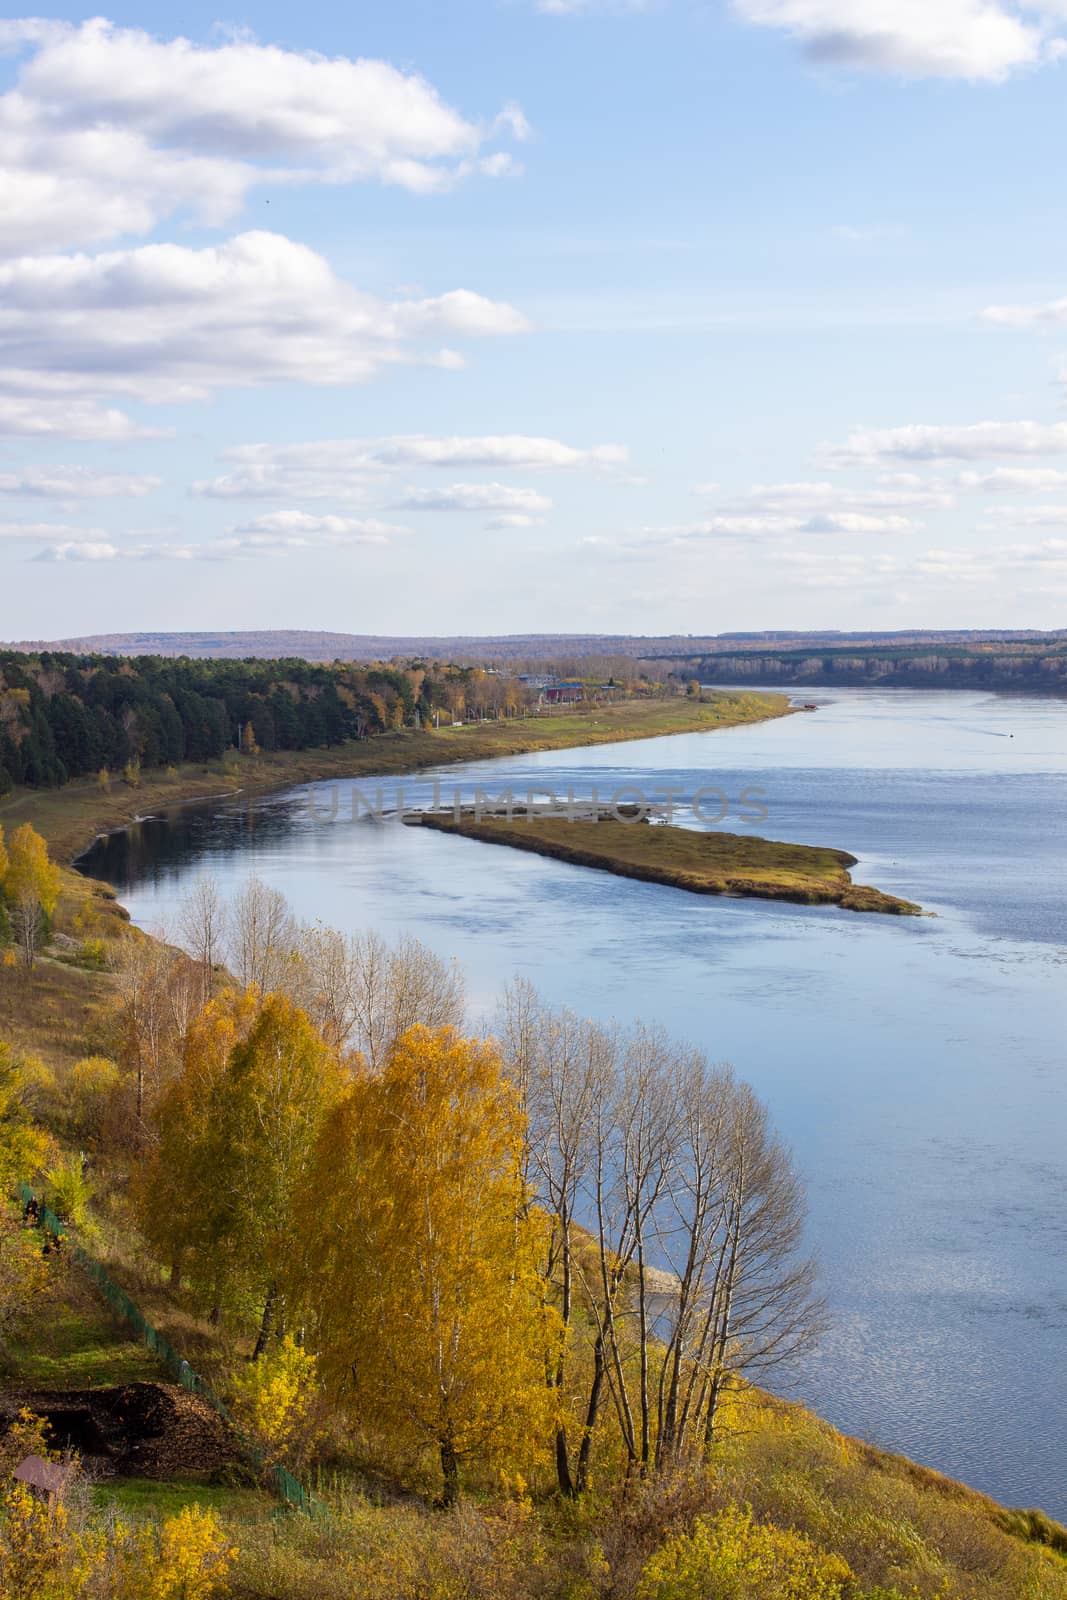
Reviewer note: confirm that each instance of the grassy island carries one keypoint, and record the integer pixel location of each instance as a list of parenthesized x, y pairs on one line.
[(731, 864)]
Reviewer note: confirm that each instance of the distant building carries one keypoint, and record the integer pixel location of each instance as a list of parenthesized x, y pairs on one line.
[(564, 693)]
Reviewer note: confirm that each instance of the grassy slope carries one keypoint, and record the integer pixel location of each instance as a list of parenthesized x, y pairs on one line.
[(704, 863), (70, 818), (895, 1522)]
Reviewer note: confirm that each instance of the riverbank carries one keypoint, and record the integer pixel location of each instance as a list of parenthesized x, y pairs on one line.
[(731, 864), (70, 818)]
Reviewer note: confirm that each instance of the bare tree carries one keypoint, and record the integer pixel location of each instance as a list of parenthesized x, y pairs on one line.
[(262, 937), (364, 994), (29, 925), (675, 1225), (560, 1064), (202, 924), (160, 995)]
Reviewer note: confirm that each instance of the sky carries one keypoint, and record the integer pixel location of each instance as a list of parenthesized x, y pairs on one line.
[(499, 316)]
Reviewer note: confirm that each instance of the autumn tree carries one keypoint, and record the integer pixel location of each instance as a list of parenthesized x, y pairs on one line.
[(179, 1198), (420, 1280), (31, 887), (29, 868), (236, 1134)]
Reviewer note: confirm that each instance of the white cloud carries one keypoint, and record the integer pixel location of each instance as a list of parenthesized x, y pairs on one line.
[(476, 497), (513, 519), (342, 469), (777, 526), (1049, 314), (976, 40), (1027, 517), (108, 130), (167, 323), (502, 450), (974, 442), (74, 483), (68, 419), (830, 498), (297, 529), (571, 8), (1015, 480), (46, 532), (80, 551)]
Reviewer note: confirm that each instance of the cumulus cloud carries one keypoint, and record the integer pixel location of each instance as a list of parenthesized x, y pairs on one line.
[(298, 529), (975, 40), (974, 442), (343, 469), (774, 525), (1027, 517), (167, 323), (46, 532), (1015, 480), (80, 550), (476, 497), (829, 498), (1048, 313), (108, 130), (22, 418), (74, 483)]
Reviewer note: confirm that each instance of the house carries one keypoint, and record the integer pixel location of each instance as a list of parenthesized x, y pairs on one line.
[(565, 693)]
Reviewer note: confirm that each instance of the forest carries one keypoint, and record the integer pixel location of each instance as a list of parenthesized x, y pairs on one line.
[(66, 716)]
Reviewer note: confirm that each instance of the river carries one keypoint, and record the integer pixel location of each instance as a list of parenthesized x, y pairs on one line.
[(916, 1066)]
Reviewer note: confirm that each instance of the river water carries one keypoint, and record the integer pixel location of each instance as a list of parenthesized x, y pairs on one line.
[(916, 1066)]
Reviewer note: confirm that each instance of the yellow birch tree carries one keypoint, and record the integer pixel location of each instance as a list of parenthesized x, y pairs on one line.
[(420, 1277)]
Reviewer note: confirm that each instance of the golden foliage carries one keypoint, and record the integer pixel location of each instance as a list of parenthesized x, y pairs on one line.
[(421, 1275), (734, 1558), (29, 870), (272, 1400)]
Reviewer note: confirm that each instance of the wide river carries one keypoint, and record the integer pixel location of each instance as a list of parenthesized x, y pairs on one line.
[(917, 1066)]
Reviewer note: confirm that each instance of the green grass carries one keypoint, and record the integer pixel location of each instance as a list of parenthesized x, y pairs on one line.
[(683, 858), (143, 1497), (75, 1343)]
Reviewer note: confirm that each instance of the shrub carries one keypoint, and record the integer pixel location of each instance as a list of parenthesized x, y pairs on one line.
[(94, 1082), (273, 1400), (69, 1190), (734, 1558)]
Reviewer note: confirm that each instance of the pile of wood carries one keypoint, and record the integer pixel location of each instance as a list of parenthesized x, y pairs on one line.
[(141, 1430)]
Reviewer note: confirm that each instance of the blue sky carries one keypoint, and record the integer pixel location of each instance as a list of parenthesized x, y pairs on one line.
[(499, 317)]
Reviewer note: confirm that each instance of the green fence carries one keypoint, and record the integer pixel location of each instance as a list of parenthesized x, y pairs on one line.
[(285, 1485)]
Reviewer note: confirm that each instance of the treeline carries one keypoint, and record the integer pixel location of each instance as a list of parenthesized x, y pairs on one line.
[(65, 716), (1041, 668)]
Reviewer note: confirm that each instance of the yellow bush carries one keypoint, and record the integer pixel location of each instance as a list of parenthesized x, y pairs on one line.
[(734, 1558), (93, 1083), (273, 1397), (186, 1558)]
